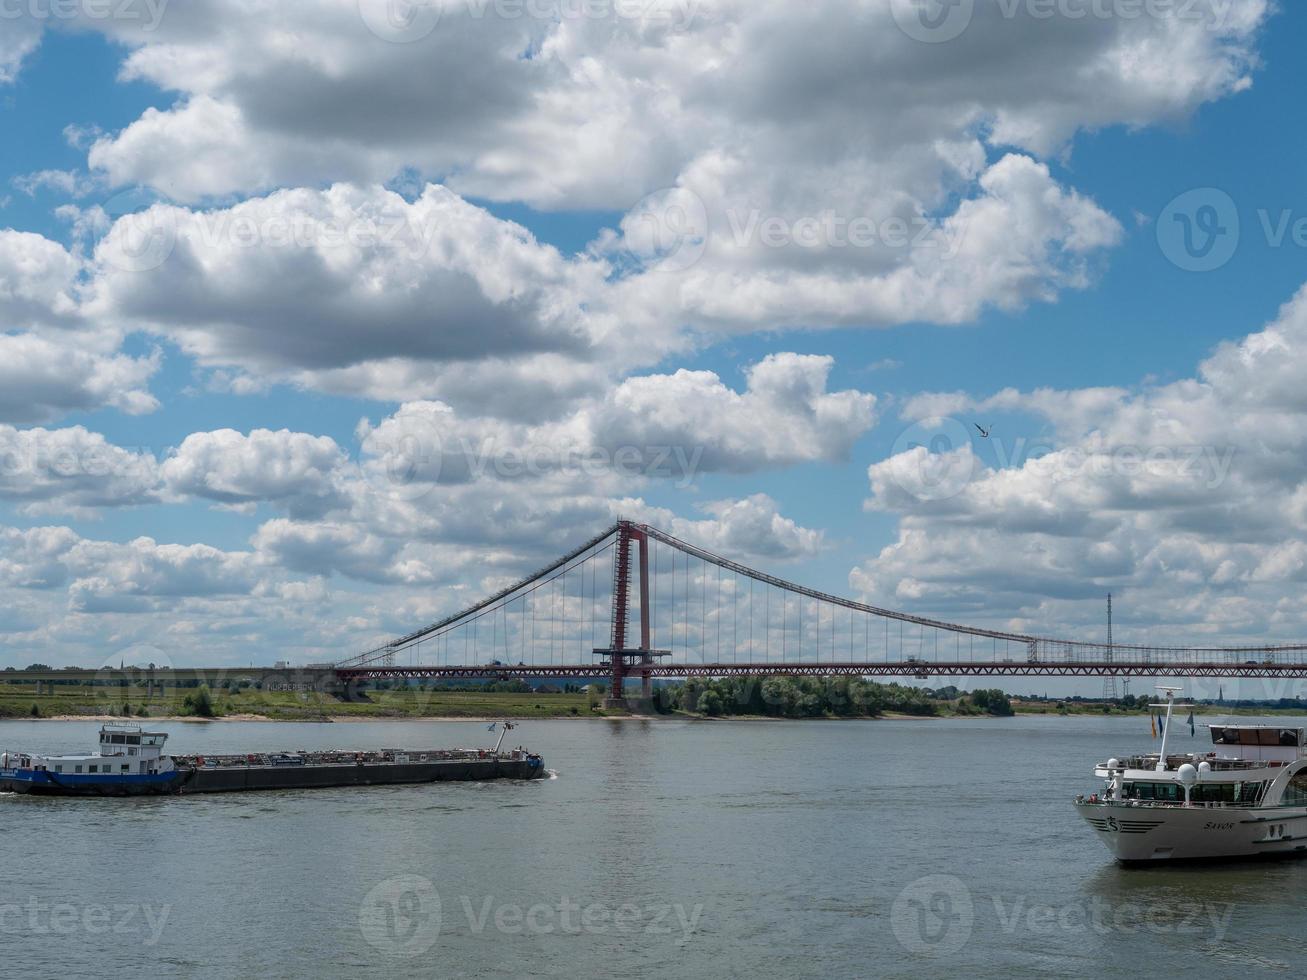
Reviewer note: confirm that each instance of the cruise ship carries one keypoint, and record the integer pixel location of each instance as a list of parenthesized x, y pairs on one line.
[(1243, 795), (131, 762)]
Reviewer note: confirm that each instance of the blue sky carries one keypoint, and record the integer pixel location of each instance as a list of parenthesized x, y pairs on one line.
[(1087, 300)]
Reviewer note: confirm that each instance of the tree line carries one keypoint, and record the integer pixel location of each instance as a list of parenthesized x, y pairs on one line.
[(783, 696)]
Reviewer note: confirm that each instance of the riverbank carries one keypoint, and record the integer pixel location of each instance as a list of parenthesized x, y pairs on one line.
[(74, 703), (107, 704)]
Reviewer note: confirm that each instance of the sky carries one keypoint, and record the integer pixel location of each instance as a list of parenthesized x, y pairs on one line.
[(320, 321)]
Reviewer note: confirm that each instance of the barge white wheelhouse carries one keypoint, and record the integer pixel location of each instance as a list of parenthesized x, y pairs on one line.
[(1242, 795), (128, 760)]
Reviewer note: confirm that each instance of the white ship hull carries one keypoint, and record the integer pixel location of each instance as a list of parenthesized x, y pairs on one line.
[(1177, 833)]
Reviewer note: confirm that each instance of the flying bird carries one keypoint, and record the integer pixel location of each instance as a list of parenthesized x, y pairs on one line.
[(984, 433)]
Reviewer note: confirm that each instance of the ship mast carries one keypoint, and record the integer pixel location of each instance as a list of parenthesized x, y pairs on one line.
[(508, 726), (1169, 705)]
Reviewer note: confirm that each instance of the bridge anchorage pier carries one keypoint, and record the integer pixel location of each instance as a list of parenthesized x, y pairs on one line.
[(621, 660)]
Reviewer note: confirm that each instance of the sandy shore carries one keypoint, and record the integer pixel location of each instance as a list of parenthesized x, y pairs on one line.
[(344, 719)]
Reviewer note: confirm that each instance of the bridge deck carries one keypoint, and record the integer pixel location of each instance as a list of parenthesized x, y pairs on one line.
[(898, 669)]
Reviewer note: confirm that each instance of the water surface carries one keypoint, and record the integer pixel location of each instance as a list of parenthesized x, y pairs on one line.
[(662, 848)]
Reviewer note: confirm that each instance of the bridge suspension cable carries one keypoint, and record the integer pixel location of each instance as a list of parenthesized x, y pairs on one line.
[(522, 585), (796, 627)]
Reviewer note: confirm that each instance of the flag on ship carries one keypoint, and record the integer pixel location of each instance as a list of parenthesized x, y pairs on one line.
[(1191, 723), (1152, 724)]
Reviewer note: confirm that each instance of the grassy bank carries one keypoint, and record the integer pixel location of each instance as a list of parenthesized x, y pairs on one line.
[(1092, 708), (16, 701)]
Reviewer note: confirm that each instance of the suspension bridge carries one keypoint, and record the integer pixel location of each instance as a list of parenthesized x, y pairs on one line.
[(636, 603)]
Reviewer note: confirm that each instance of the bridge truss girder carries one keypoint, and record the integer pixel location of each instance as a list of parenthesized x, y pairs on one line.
[(902, 669)]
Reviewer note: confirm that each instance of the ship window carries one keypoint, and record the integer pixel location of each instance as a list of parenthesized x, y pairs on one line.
[(1213, 793), (77, 769), (93, 769), (131, 751), (1249, 792), (1166, 792), (1295, 794), (126, 767), (58, 768)]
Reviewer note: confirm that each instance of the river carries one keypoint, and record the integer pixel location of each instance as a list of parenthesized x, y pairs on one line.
[(660, 848)]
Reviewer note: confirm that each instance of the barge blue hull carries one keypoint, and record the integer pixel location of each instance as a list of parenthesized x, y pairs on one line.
[(235, 779)]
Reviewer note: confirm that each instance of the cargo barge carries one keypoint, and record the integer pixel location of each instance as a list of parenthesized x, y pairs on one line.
[(131, 762)]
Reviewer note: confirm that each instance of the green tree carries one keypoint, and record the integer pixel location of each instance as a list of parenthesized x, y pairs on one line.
[(36, 710), (992, 701), (710, 702), (200, 703)]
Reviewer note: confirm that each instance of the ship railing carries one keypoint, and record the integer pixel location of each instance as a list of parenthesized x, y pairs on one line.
[(1147, 804), (1173, 762)]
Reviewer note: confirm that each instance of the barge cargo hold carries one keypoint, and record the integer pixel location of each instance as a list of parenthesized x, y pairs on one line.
[(131, 762)]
